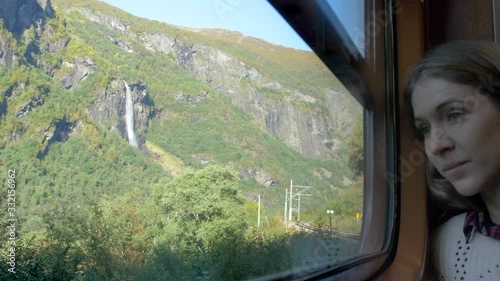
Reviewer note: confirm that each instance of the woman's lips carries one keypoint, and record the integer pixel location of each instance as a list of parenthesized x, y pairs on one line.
[(454, 169)]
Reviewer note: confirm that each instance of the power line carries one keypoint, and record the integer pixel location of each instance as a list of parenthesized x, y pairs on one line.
[(289, 196)]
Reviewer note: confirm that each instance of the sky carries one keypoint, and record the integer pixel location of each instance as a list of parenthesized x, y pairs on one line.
[(352, 16), (256, 18)]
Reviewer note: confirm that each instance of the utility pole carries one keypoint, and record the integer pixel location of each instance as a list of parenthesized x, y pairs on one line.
[(299, 195), (289, 197), (286, 207), (258, 214), (298, 209), (331, 213), (290, 206)]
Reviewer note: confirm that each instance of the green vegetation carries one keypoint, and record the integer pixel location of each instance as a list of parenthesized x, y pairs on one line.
[(355, 148), (347, 206), (181, 233), (92, 207)]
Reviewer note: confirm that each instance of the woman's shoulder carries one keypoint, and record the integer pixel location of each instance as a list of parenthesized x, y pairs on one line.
[(451, 230), (453, 227), (455, 258)]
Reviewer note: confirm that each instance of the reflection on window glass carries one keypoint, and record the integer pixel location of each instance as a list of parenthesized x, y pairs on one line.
[(351, 16), (144, 150)]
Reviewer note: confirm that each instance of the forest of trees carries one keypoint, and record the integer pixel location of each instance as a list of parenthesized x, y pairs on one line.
[(196, 225)]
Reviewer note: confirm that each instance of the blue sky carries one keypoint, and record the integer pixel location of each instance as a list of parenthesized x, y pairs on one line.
[(255, 18), (351, 15)]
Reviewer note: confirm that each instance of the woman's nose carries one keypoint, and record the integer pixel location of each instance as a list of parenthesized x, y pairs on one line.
[(439, 142)]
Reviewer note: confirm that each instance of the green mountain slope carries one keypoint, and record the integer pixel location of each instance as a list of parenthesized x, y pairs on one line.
[(199, 98), (213, 127)]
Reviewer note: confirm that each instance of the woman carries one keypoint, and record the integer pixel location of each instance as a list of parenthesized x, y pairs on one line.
[(453, 97)]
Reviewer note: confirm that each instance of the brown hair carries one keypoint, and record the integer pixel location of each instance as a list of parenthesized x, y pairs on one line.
[(473, 63)]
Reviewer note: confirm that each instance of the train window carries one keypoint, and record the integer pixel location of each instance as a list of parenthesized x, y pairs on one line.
[(147, 150), (361, 56)]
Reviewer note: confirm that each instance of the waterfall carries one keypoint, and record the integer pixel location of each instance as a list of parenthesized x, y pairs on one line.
[(129, 117)]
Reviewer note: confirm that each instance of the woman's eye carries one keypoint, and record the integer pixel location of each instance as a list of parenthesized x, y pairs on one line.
[(453, 115), (424, 130)]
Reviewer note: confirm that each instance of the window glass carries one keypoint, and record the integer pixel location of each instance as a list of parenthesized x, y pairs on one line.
[(351, 15), (144, 148)]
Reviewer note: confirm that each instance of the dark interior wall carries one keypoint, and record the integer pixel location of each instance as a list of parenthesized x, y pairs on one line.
[(448, 20)]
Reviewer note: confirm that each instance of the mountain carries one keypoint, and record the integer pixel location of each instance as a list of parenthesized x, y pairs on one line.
[(199, 96), (99, 106)]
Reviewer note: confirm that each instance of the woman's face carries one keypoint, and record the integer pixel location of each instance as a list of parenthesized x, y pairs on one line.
[(461, 130)]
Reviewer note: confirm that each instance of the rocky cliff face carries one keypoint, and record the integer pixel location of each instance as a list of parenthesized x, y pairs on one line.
[(79, 70), (109, 109), (12, 92), (306, 123), (19, 15), (58, 131), (296, 118), (7, 54)]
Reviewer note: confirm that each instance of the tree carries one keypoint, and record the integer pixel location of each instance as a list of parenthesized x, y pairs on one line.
[(206, 206), (346, 206), (355, 148)]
